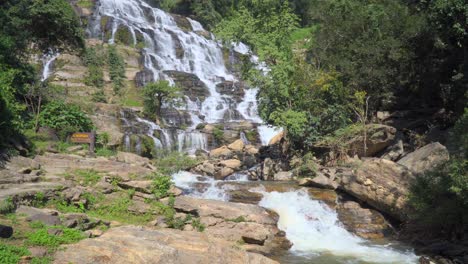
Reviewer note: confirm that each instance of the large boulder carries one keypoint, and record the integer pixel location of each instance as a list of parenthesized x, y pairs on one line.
[(378, 138), (425, 158), (130, 244), (251, 224), (380, 183), (191, 85)]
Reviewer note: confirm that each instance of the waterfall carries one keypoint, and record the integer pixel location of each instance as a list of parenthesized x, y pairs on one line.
[(313, 228), (47, 62), (171, 48)]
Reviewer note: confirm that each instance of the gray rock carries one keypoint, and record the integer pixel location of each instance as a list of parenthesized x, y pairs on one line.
[(319, 181), (50, 220), (425, 158), (283, 176)]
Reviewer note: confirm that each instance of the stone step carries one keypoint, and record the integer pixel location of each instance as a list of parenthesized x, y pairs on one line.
[(25, 189)]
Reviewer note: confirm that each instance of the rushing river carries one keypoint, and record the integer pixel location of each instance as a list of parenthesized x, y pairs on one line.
[(313, 228)]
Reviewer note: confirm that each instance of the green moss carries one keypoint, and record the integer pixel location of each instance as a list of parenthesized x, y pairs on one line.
[(85, 3), (123, 36)]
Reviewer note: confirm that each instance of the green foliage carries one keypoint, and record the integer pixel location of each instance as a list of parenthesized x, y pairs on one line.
[(198, 225), (64, 118), (11, 254), (218, 134), (161, 185), (85, 3), (238, 219), (7, 206), (440, 199), (87, 177), (41, 237), (39, 200), (105, 152), (116, 69), (158, 93), (174, 162)]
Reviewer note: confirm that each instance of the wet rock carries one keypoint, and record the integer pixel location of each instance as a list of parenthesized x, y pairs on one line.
[(283, 176), (425, 158), (192, 86), (139, 245), (380, 183), (223, 173), (175, 191), (319, 181), (234, 89), (244, 196), (366, 223)]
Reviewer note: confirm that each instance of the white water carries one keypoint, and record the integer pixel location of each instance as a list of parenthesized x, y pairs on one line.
[(267, 132), (200, 56), (47, 61), (205, 187), (314, 228)]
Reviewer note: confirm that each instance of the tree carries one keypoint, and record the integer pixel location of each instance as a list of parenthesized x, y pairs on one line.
[(156, 94)]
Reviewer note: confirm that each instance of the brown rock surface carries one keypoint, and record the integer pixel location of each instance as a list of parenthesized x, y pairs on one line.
[(130, 244)]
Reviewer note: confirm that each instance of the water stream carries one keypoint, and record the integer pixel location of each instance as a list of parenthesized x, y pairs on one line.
[(314, 229), (171, 50)]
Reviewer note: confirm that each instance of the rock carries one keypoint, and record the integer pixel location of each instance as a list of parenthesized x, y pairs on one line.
[(250, 149), (45, 216), (366, 223), (105, 187), (283, 176), (223, 173), (175, 191), (74, 148), (224, 210), (268, 169), (236, 146), (55, 231), (192, 86), (319, 181), (132, 158), (394, 152), (130, 244), (6, 231), (38, 252), (378, 138), (252, 224), (222, 152), (25, 170), (244, 196), (380, 183), (95, 233), (141, 186), (425, 158), (231, 163), (276, 139)]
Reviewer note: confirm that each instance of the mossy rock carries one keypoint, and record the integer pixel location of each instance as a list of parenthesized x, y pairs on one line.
[(123, 35)]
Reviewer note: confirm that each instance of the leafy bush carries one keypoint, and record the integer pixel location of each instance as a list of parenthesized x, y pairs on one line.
[(440, 199), (116, 69), (64, 118), (88, 177), (161, 186), (158, 93), (7, 206), (12, 254), (174, 162), (41, 237)]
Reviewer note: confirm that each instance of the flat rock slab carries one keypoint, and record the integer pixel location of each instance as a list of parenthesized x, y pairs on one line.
[(130, 244)]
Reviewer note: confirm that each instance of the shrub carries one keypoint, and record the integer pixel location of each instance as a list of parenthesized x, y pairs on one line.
[(116, 69), (174, 162), (440, 199), (64, 118), (41, 237), (7, 206), (12, 254), (161, 186)]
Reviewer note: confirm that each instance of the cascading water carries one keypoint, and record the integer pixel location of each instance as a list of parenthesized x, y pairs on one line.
[(170, 49), (315, 231), (47, 62), (313, 228)]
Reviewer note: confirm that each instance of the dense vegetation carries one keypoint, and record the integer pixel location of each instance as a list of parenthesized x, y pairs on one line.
[(29, 28)]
